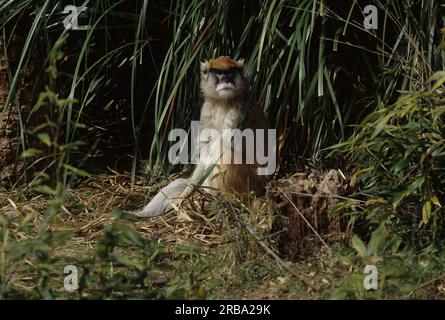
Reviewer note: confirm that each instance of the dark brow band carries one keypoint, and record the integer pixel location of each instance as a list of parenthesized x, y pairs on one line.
[(224, 71)]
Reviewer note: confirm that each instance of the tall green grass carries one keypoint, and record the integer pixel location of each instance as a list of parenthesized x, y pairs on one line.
[(312, 66), (83, 72)]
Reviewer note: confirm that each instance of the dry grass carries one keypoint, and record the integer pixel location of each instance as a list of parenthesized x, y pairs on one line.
[(89, 207), (240, 231), (304, 200), (233, 247)]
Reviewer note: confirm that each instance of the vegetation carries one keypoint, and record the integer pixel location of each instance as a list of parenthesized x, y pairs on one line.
[(82, 108), (398, 154)]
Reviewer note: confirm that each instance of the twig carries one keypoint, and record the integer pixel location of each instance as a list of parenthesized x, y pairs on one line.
[(423, 285), (334, 196)]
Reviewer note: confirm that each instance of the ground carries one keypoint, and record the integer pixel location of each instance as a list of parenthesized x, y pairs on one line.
[(203, 252)]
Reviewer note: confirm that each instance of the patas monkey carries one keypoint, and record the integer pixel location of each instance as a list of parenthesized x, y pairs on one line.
[(227, 106)]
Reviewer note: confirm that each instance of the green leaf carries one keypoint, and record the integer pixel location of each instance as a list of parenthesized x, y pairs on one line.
[(359, 246), (436, 201), (426, 211), (398, 197), (44, 137), (31, 153), (378, 237), (132, 235), (46, 190), (399, 165), (381, 125), (122, 260), (76, 171)]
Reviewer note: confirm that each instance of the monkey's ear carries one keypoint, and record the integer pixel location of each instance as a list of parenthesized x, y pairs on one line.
[(204, 65), (240, 63)]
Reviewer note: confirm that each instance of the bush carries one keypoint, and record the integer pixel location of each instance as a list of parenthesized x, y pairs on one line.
[(398, 154)]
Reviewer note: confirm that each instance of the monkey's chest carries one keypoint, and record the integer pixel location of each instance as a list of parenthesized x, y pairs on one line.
[(216, 125), (220, 119)]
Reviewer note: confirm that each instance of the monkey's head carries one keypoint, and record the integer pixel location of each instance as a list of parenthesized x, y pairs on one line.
[(222, 79)]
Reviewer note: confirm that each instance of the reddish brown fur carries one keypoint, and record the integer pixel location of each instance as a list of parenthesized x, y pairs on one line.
[(243, 178), (223, 62)]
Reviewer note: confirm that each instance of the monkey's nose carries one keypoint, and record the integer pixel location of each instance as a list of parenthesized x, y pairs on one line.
[(224, 78)]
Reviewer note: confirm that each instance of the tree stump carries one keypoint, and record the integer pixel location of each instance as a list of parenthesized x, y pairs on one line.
[(10, 163), (301, 207)]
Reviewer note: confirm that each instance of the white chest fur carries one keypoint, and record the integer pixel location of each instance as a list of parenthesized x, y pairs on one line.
[(212, 144), (219, 117)]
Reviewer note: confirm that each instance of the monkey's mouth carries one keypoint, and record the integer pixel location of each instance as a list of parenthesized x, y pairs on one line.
[(225, 86)]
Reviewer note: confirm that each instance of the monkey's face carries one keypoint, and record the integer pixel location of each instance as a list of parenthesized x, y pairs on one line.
[(222, 79)]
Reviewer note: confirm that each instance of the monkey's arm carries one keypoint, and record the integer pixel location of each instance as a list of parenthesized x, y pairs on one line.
[(205, 170)]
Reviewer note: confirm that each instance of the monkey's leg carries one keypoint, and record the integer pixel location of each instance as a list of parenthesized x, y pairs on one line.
[(162, 201)]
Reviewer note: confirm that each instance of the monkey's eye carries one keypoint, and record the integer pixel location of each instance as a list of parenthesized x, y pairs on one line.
[(215, 71), (230, 71), (205, 71)]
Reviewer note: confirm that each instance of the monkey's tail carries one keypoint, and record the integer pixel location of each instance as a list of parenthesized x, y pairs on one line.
[(162, 201)]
